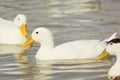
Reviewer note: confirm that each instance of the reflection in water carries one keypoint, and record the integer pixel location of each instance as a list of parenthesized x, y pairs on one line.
[(72, 70), (16, 69), (11, 49), (14, 63), (69, 20), (14, 49)]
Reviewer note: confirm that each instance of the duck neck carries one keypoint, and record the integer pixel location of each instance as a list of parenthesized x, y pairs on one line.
[(118, 58), (114, 70), (47, 44), (117, 62)]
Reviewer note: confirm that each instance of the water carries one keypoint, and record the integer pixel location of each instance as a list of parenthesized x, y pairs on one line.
[(68, 20)]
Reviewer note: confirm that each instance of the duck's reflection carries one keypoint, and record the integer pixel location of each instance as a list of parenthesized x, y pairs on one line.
[(17, 50), (72, 69), (10, 49), (14, 63)]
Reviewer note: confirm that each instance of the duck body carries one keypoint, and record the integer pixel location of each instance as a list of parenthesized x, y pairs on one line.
[(80, 49), (113, 48), (10, 32), (72, 50), (11, 35)]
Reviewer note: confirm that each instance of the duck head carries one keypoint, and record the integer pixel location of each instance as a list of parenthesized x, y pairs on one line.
[(40, 35), (21, 21), (113, 47), (106, 41)]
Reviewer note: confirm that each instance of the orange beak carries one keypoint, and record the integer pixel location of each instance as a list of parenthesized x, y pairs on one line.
[(28, 42), (23, 29), (102, 55)]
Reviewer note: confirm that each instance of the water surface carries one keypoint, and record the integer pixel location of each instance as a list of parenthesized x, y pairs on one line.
[(68, 20)]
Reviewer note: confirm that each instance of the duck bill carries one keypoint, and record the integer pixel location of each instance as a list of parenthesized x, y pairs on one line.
[(103, 55), (23, 29), (28, 42)]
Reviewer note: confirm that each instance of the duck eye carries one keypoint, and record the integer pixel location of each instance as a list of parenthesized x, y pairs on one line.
[(111, 43), (18, 18), (37, 32)]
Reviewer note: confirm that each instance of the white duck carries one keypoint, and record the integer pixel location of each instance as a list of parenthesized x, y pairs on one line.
[(79, 49), (13, 32), (113, 48)]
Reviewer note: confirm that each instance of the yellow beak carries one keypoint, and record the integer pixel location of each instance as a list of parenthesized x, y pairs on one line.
[(103, 55), (23, 29), (28, 42)]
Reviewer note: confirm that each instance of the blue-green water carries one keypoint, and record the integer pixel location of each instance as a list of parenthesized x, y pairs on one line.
[(68, 20)]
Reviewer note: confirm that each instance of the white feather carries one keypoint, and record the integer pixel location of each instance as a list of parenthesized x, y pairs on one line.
[(80, 49), (10, 31)]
